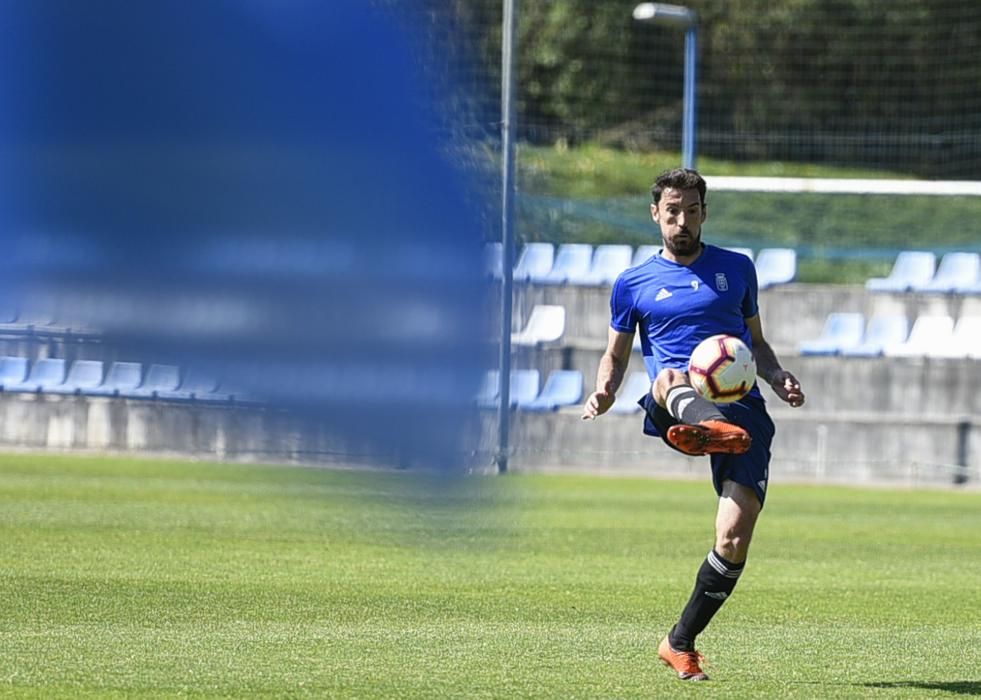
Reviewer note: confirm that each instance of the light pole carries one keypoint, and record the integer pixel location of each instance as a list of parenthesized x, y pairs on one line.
[(508, 119), (687, 19)]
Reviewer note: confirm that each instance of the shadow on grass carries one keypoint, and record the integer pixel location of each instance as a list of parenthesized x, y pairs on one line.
[(958, 687)]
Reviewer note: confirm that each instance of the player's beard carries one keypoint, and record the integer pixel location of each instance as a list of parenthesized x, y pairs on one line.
[(684, 247)]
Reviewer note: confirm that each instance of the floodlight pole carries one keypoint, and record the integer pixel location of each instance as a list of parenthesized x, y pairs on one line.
[(508, 118), (687, 19)]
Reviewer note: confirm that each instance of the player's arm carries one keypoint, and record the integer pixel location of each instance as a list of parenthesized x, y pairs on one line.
[(609, 376), (783, 383)]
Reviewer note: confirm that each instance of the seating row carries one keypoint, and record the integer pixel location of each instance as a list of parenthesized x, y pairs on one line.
[(123, 379), (582, 264), (932, 335), (563, 387), (917, 271)]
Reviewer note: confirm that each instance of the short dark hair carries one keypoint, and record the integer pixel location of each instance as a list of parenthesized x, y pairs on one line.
[(678, 179)]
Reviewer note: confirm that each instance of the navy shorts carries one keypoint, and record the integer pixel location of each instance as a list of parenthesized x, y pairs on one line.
[(751, 468)]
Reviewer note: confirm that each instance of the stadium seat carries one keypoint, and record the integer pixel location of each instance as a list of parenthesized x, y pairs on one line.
[(159, 378), (196, 386), (748, 252), (534, 262), (546, 324), (957, 272), (489, 389), (644, 253), (12, 371), (572, 261), (882, 331), (637, 384), (121, 380), (912, 268), (523, 386), (83, 375), (563, 387), (841, 331), (494, 260), (975, 289), (776, 266), (608, 262), (44, 375), (928, 334), (965, 340)]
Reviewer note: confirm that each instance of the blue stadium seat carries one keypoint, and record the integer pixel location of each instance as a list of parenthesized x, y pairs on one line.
[(122, 379), (912, 268), (644, 253), (572, 261), (494, 260), (608, 262), (776, 266), (83, 375), (975, 289), (196, 386), (523, 386), (637, 384), (13, 370), (957, 272), (44, 375), (930, 335), (883, 330), (159, 378), (534, 262), (841, 331), (489, 389), (965, 341), (545, 324), (563, 387)]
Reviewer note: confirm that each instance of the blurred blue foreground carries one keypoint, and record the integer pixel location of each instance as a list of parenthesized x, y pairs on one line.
[(253, 189)]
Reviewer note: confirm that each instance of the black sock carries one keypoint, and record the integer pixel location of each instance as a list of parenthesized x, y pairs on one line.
[(686, 405), (715, 581)]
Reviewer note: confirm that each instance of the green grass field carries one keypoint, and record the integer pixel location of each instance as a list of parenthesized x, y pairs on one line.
[(140, 578)]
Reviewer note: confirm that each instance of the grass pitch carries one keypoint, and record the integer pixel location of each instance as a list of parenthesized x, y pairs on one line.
[(139, 578)]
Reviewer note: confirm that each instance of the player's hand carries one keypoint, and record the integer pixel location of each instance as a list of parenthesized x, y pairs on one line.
[(599, 402), (787, 388)]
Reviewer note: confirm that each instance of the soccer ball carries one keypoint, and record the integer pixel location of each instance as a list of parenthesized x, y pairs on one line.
[(722, 369)]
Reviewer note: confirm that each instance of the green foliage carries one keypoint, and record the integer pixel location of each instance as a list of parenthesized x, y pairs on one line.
[(598, 195), (141, 578)]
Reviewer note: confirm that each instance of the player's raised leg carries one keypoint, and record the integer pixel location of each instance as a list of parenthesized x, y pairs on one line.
[(703, 429)]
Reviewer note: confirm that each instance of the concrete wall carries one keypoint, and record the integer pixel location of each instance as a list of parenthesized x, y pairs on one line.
[(812, 446)]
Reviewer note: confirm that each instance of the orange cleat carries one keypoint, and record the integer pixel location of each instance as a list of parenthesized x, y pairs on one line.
[(709, 437), (684, 662)]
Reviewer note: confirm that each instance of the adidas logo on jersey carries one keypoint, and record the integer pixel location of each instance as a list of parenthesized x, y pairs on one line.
[(663, 294)]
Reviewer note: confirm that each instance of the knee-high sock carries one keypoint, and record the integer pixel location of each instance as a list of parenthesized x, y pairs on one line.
[(685, 404), (715, 581)]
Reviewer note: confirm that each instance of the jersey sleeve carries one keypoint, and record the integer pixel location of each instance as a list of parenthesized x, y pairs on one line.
[(751, 304), (622, 308)]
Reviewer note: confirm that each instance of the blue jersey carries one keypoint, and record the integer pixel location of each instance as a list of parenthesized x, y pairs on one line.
[(675, 307)]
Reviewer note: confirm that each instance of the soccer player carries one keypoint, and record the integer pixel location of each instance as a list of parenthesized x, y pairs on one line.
[(684, 294)]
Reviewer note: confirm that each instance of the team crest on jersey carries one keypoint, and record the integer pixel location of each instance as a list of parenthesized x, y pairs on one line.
[(721, 283)]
